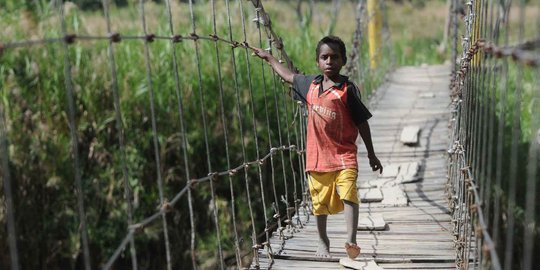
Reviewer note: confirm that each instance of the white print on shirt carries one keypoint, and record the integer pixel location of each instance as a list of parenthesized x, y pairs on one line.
[(324, 111)]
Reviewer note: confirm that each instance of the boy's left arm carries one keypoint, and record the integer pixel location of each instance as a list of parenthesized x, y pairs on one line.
[(365, 133)]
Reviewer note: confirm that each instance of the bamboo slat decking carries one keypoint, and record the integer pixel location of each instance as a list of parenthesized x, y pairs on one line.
[(417, 235)]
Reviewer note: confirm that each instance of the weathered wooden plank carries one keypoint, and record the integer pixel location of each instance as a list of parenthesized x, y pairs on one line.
[(394, 196), (391, 171), (408, 172), (371, 222), (370, 195)]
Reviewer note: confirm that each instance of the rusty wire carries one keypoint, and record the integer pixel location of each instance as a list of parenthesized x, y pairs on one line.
[(477, 103)]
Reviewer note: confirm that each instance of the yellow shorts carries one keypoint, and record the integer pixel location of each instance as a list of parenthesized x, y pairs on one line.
[(328, 189)]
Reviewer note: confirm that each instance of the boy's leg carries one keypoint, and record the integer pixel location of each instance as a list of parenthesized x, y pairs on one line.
[(348, 193), (351, 218), (323, 250), (326, 201)]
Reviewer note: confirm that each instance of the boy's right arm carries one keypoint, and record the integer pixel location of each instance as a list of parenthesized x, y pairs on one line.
[(283, 72)]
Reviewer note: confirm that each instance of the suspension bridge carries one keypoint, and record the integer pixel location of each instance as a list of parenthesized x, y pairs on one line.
[(191, 155)]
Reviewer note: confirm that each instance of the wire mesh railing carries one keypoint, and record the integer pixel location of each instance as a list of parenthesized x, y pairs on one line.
[(185, 141), (493, 159)]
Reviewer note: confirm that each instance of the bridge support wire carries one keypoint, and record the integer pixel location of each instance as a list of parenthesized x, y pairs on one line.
[(121, 134), (154, 131), (489, 126)]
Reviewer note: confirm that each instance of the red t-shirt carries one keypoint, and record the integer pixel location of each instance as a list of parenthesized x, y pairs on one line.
[(331, 129)]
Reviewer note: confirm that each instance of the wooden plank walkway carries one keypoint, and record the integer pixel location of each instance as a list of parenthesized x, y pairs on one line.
[(418, 234)]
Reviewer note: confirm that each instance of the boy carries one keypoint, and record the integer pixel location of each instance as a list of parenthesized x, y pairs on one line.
[(335, 117)]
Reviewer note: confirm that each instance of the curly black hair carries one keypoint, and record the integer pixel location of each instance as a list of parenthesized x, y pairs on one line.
[(334, 43)]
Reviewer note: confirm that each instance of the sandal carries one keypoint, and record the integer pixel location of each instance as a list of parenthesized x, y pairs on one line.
[(353, 250)]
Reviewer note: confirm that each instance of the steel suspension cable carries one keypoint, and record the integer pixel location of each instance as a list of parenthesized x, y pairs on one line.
[(270, 145), (302, 117), (478, 105), (264, 21), (516, 135), (224, 123), (280, 92), (254, 123), (183, 133), (298, 200), (491, 104), (465, 140), (154, 131), (240, 127), (241, 130), (68, 81), (202, 105), (298, 135), (503, 86), (477, 102), (121, 133), (482, 104), (283, 166), (482, 129)]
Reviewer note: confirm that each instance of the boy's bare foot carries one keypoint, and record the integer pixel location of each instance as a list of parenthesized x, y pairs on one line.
[(352, 249), (324, 249)]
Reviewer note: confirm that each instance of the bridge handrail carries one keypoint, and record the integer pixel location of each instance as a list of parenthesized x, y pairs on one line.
[(479, 88)]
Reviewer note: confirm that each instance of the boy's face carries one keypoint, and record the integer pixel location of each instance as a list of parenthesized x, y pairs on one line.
[(330, 61)]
